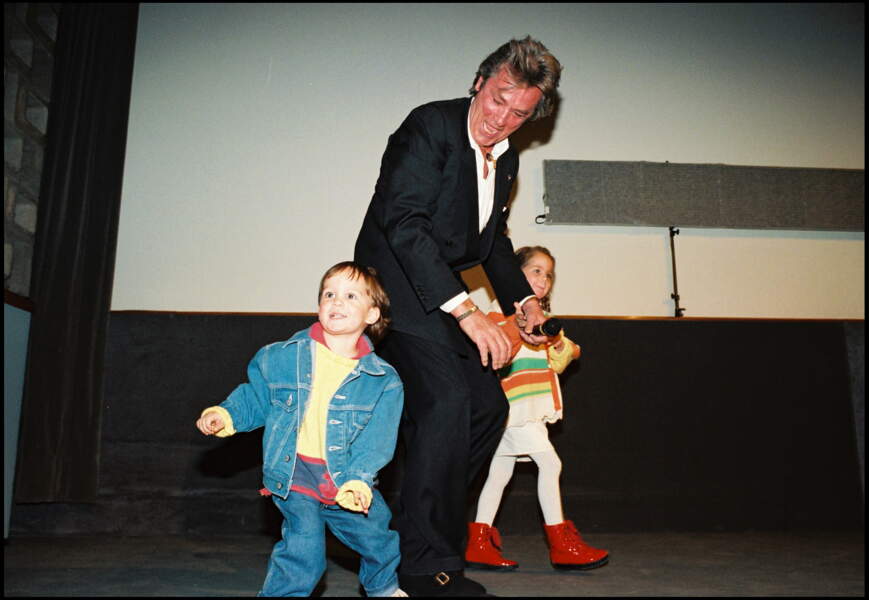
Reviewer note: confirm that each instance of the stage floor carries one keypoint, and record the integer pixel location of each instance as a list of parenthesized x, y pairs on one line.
[(641, 564)]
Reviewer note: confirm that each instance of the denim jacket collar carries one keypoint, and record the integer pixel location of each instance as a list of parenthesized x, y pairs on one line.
[(370, 363)]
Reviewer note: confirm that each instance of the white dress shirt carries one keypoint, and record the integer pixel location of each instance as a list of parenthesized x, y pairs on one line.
[(485, 196)]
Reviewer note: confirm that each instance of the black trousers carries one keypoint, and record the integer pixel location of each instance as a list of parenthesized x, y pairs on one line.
[(454, 415)]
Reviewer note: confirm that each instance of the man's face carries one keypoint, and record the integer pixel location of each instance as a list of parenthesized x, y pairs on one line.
[(500, 108)]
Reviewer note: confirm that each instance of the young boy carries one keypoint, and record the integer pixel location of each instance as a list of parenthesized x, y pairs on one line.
[(330, 408)]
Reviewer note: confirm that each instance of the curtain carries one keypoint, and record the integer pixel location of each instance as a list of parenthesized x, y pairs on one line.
[(74, 253)]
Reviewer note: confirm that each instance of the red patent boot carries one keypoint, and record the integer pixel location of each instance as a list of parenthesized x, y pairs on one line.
[(567, 550), (484, 549)]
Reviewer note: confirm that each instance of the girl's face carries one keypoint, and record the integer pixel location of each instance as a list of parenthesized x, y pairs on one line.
[(540, 272), (345, 306)]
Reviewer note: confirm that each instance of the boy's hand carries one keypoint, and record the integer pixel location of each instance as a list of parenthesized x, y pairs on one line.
[(359, 502), (210, 423)]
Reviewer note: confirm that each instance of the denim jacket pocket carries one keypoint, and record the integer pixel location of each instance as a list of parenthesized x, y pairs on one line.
[(281, 423), (285, 396), (352, 416), (361, 416), (359, 419)]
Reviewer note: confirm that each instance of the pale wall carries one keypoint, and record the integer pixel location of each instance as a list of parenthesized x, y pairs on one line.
[(256, 133)]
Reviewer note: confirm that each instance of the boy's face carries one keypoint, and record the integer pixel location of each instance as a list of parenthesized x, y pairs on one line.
[(345, 306)]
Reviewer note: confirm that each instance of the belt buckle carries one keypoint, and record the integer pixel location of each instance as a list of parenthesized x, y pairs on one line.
[(442, 578)]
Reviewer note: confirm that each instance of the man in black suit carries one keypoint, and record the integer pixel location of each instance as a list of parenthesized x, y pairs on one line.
[(439, 208)]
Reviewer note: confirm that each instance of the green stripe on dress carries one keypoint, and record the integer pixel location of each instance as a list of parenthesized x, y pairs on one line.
[(525, 364)]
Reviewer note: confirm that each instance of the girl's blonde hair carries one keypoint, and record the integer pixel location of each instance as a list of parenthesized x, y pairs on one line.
[(525, 253), (375, 290)]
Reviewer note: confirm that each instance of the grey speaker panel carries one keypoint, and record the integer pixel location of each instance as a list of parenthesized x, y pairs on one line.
[(703, 195)]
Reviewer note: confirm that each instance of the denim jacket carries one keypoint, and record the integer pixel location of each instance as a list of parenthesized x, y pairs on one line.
[(362, 422)]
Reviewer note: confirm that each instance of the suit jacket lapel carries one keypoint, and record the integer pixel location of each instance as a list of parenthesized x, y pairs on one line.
[(468, 166)]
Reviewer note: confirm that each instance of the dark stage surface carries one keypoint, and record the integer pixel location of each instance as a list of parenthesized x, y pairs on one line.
[(641, 564)]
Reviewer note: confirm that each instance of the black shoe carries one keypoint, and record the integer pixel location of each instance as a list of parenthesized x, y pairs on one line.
[(445, 583)]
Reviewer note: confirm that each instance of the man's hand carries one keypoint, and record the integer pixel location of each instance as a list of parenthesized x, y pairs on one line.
[(528, 316), (489, 338)]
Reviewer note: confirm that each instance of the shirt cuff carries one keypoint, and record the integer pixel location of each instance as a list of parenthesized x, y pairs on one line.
[(228, 429), (454, 302), (527, 298), (346, 499)]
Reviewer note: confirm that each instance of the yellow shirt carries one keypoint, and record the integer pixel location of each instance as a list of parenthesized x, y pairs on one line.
[(330, 369)]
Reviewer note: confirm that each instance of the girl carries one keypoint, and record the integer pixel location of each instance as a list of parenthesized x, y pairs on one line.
[(531, 385)]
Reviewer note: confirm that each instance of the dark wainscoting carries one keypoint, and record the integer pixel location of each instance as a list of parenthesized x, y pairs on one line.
[(670, 425)]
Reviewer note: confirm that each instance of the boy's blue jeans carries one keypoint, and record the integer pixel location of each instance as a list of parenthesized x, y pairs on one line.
[(298, 560)]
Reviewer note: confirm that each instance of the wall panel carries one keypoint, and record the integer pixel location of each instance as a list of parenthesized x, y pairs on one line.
[(587, 192), (670, 424)]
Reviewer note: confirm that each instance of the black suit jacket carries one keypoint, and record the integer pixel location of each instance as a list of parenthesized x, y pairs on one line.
[(422, 226)]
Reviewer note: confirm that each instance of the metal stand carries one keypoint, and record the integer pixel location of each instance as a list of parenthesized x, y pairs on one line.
[(675, 295), (541, 219)]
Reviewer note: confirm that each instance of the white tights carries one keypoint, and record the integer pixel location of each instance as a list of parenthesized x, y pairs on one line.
[(548, 490)]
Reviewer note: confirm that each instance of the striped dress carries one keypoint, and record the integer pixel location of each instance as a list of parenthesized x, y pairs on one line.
[(531, 384)]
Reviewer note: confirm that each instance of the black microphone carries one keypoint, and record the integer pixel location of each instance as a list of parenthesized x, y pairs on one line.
[(550, 327)]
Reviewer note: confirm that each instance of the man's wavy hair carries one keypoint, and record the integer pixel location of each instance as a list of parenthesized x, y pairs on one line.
[(530, 63), (526, 253), (375, 290)]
